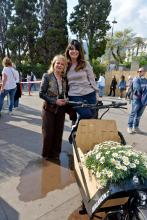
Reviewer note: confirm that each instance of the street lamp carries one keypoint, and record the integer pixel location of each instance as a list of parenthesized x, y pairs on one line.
[(113, 23)]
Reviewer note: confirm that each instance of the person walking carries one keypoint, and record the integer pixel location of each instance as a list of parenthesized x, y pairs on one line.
[(113, 86), (53, 91), (81, 80), (18, 88), (122, 86), (8, 83), (101, 85), (129, 88), (139, 85)]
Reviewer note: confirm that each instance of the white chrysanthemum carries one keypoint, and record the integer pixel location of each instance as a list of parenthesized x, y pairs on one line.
[(107, 152), (98, 156), (109, 174), (102, 160), (98, 175), (115, 155), (113, 161), (124, 168), (132, 165), (136, 161)]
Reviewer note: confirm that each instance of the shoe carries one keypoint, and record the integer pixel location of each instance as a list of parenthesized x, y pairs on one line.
[(130, 131), (10, 113), (137, 130)]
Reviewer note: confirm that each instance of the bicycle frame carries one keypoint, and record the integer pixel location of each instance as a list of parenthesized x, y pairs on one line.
[(120, 202)]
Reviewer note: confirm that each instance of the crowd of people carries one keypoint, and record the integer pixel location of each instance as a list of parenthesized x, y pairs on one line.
[(71, 78)]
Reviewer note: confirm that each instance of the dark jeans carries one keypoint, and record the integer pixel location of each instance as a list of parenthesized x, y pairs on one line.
[(85, 113), (11, 93)]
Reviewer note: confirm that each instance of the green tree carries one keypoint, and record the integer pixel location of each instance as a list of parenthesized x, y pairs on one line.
[(5, 17), (117, 44), (89, 22), (138, 43), (24, 29), (53, 33)]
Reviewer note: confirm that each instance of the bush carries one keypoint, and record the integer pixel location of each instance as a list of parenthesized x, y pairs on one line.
[(37, 69), (98, 67)]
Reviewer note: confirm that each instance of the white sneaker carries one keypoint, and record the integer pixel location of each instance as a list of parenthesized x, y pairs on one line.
[(130, 131), (137, 130), (10, 113)]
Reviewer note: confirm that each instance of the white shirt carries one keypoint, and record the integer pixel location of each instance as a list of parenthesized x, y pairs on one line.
[(11, 77), (101, 81)]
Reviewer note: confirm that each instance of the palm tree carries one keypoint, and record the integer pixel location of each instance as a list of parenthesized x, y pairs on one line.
[(138, 42)]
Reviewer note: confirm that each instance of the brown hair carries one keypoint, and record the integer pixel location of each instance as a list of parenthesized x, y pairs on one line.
[(7, 62), (81, 63), (57, 57)]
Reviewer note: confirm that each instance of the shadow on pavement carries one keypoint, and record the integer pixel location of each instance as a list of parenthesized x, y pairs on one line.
[(7, 211)]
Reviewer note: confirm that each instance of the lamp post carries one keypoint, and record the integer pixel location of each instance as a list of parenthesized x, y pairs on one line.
[(113, 23)]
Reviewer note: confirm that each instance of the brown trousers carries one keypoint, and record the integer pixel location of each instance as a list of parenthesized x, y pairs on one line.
[(52, 131)]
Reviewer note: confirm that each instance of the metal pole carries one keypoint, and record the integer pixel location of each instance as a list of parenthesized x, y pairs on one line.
[(113, 22)]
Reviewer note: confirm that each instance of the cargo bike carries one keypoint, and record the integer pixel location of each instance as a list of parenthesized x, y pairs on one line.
[(124, 201)]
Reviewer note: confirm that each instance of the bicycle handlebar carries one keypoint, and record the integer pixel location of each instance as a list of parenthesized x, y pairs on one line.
[(98, 105)]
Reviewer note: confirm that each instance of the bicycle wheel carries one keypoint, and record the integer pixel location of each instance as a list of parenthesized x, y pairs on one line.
[(113, 216), (136, 214)]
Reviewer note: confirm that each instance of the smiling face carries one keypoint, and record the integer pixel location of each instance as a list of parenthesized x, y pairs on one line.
[(73, 53), (59, 66)]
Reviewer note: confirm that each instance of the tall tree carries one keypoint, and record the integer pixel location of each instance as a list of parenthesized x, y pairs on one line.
[(138, 43), (24, 28), (5, 17), (118, 42), (89, 22), (53, 34)]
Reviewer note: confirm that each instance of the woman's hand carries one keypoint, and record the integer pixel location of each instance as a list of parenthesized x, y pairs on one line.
[(61, 102)]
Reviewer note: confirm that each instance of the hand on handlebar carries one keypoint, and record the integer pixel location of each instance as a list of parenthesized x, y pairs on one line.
[(61, 102)]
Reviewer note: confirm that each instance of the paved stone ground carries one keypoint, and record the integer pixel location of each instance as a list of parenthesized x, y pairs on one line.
[(33, 189)]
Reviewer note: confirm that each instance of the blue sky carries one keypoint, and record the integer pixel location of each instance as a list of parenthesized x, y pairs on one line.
[(129, 14)]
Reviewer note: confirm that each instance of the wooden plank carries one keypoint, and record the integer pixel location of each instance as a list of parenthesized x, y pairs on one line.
[(94, 131)]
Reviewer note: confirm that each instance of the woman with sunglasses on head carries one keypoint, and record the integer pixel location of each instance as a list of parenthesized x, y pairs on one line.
[(81, 79), (52, 91)]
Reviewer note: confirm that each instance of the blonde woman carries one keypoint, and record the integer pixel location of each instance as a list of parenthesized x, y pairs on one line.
[(8, 83), (52, 90)]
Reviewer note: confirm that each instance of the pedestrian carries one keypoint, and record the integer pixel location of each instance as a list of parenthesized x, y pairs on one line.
[(81, 80), (113, 86), (18, 88), (53, 91), (129, 88), (138, 107), (122, 86), (8, 83), (101, 85), (33, 79)]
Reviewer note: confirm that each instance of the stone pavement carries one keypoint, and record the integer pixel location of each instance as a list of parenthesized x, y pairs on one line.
[(34, 189)]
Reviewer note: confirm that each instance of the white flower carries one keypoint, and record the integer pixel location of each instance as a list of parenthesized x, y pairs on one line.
[(107, 152), (98, 156), (136, 161), (102, 160), (124, 168), (109, 174), (132, 165), (115, 155)]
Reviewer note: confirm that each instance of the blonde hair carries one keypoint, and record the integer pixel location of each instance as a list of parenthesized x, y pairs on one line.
[(6, 62), (58, 57)]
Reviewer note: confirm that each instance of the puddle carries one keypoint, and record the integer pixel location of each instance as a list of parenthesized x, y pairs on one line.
[(41, 177), (76, 216)]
